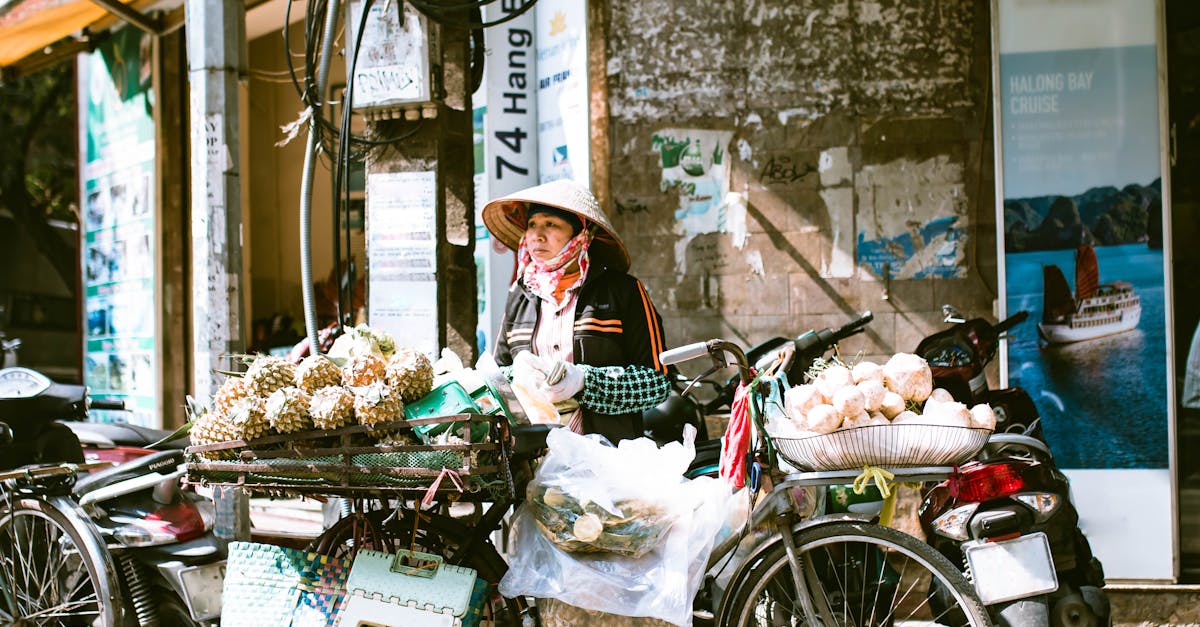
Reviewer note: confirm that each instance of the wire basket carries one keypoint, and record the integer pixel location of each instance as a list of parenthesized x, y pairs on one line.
[(897, 445)]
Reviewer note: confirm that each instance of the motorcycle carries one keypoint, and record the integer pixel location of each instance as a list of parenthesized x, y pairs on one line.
[(157, 539), (1010, 508)]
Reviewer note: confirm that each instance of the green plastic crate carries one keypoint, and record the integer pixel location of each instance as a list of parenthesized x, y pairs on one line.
[(444, 400)]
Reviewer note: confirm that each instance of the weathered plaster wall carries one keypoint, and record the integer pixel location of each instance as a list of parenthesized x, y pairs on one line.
[(848, 118)]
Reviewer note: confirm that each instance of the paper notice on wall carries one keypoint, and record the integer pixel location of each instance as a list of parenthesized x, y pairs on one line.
[(402, 257)]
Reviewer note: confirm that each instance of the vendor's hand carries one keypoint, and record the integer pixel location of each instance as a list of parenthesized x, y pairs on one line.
[(564, 387)]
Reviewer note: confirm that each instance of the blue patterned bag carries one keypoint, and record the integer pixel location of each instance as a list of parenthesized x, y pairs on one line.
[(273, 585)]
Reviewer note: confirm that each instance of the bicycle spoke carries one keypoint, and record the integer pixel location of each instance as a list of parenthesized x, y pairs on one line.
[(45, 575)]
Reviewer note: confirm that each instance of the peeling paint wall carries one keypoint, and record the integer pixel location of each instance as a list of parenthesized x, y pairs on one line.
[(860, 163)]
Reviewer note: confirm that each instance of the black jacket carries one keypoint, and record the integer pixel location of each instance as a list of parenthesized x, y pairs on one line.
[(616, 324)]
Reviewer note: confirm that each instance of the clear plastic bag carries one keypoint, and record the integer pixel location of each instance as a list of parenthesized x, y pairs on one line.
[(645, 565)]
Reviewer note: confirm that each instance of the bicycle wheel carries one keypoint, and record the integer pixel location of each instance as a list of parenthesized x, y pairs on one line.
[(440, 535), (856, 574), (52, 568)]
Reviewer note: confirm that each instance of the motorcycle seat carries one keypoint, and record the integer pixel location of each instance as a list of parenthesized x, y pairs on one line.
[(163, 462), (124, 434)]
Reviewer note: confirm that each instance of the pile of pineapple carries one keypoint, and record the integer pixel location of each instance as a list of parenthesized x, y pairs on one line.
[(370, 387)]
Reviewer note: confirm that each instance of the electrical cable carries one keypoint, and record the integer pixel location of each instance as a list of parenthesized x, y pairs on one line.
[(436, 13)]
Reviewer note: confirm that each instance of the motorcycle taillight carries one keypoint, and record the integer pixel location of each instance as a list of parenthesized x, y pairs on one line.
[(181, 520), (987, 481)]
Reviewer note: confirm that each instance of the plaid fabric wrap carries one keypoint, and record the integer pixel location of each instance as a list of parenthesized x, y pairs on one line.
[(617, 390), (273, 585)]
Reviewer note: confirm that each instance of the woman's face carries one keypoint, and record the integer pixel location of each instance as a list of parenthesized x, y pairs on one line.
[(545, 235)]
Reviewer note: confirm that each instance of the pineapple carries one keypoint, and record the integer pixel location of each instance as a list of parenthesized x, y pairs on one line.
[(363, 370), (268, 374), (287, 410), (398, 439), (248, 419), (410, 373), (377, 404), (316, 372), (231, 391), (209, 428), (331, 407)]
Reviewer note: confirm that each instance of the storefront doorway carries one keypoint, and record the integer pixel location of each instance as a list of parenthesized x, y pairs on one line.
[(1183, 118)]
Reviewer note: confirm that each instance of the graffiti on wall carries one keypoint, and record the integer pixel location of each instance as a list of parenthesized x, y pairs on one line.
[(694, 166)]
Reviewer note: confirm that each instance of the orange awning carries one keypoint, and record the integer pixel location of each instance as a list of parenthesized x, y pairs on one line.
[(27, 26)]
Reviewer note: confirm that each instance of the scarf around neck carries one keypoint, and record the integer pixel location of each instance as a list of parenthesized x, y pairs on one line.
[(543, 277)]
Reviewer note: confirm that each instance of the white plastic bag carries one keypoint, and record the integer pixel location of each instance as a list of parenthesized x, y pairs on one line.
[(662, 570)]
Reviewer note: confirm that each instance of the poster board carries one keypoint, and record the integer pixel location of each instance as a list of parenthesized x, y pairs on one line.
[(1082, 230), (564, 140), (119, 228), (402, 242)]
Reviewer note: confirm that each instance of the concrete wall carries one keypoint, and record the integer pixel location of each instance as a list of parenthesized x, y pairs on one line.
[(272, 182), (845, 115)]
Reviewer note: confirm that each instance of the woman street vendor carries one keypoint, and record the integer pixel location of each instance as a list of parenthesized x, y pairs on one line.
[(584, 323)]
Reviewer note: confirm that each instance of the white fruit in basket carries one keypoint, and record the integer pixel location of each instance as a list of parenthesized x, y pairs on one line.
[(867, 371), (941, 395), (878, 418), (862, 419), (909, 376), (906, 417), (833, 379), (823, 419), (952, 414), (873, 393), (983, 416), (800, 399), (891, 405), (849, 401)]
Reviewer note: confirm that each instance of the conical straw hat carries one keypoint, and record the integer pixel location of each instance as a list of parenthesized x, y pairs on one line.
[(505, 218)]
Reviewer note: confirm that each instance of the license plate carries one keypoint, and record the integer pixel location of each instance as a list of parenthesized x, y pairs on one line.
[(202, 587), (1011, 569)]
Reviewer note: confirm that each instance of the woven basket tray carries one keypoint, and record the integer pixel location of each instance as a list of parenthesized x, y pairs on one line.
[(330, 462), (898, 446)]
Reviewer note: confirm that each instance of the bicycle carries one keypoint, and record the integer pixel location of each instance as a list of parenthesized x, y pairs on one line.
[(843, 569), (54, 567)]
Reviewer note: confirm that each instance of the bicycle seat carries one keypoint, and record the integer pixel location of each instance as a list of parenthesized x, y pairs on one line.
[(164, 462)]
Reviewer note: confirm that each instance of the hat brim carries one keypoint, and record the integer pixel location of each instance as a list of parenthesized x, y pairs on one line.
[(505, 219)]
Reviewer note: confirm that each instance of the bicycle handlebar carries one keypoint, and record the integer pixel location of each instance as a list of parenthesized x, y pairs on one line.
[(683, 353)]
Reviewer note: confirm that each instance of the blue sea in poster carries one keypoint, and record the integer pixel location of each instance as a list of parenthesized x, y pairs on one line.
[(1103, 401)]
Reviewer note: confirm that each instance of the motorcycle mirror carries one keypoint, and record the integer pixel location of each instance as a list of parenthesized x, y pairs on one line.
[(951, 315)]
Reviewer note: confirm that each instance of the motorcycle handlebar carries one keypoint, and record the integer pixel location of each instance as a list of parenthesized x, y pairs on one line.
[(854, 326), (1011, 321), (97, 403)]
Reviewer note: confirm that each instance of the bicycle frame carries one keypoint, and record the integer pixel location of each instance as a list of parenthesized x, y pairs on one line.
[(776, 511)]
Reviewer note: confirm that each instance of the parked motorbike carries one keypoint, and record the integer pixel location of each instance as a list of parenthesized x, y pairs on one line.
[(1011, 507), (158, 537)]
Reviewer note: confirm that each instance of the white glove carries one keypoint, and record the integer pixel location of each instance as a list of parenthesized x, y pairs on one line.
[(568, 385)]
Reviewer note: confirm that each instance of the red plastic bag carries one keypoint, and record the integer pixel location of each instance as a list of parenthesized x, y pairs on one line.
[(736, 441)]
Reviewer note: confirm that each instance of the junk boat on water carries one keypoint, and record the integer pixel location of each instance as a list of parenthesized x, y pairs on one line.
[(1095, 310)]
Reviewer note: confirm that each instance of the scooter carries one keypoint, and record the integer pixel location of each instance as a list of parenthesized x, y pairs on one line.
[(1011, 507), (159, 537)]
